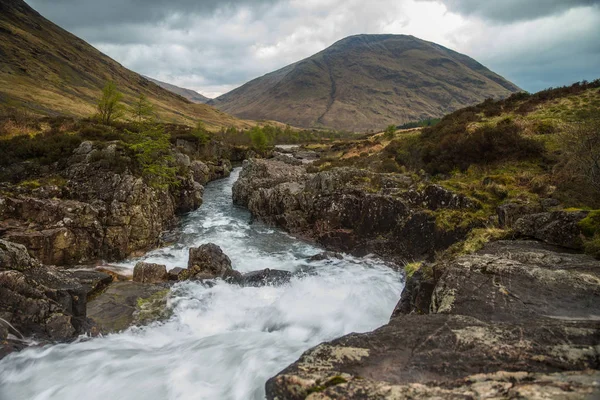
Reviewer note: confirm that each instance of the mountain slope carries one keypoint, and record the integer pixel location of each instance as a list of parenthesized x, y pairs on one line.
[(189, 94), (49, 71), (367, 82)]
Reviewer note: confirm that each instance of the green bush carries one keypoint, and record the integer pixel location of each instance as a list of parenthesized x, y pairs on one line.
[(45, 148), (152, 152)]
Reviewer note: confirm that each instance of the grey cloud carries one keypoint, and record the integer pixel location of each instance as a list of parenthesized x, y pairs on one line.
[(514, 10), (82, 13)]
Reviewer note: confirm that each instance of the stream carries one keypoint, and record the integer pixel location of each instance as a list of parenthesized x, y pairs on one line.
[(221, 342)]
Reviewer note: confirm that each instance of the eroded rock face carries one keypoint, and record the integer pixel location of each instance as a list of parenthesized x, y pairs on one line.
[(100, 209), (42, 302), (516, 320), (350, 210)]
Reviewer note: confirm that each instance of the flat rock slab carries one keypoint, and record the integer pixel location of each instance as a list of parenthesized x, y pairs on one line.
[(519, 280), (114, 310), (92, 281), (425, 349)]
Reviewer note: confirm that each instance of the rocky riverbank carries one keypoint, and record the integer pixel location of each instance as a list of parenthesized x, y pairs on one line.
[(94, 205), (352, 210), (518, 318)]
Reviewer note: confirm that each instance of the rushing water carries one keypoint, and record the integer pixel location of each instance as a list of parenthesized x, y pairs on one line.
[(222, 342)]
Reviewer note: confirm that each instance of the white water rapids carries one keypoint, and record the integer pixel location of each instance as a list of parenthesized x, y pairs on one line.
[(222, 342)]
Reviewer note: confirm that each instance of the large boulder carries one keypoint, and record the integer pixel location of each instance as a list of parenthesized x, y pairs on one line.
[(42, 302), (518, 319), (208, 262), (559, 228), (150, 273)]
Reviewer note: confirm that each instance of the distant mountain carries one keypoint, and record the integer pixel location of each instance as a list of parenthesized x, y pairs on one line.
[(189, 94), (367, 82), (49, 71)]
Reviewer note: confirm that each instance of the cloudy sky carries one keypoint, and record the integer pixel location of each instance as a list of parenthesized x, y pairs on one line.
[(213, 46)]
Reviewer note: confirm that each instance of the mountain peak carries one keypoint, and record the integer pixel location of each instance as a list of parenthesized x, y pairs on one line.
[(366, 82)]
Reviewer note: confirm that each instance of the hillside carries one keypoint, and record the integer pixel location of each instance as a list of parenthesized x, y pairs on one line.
[(48, 71), (367, 82), (189, 94)]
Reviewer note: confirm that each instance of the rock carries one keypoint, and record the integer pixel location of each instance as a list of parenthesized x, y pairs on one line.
[(92, 281), (15, 256), (200, 172), (116, 308), (559, 228), (266, 277), (509, 213), (518, 319), (326, 255), (351, 210), (287, 159), (101, 211), (511, 281), (416, 296), (150, 273), (175, 273), (549, 204), (43, 302), (209, 262)]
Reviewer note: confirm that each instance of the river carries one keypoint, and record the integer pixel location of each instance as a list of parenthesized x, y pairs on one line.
[(222, 342)]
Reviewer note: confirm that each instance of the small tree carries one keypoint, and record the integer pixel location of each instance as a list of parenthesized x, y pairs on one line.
[(143, 110), (110, 106), (260, 141), (152, 152), (390, 131), (201, 133)]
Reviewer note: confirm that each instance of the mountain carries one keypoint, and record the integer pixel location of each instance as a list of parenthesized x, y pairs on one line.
[(48, 71), (367, 82), (189, 94)]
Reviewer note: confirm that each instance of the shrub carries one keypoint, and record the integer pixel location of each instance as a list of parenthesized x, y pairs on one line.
[(45, 148), (580, 159), (152, 152)]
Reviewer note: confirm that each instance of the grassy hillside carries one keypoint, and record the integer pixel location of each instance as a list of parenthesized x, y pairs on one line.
[(524, 150), (368, 82), (48, 71)]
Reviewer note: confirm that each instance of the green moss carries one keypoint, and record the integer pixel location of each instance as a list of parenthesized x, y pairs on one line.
[(153, 308), (336, 380), (411, 268), (590, 225), (592, 246), (31, 184), (476, 239)]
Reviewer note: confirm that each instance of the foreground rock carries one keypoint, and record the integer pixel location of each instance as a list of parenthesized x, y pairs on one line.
[(125, 304), (352, 210), (516, 320), (39, 302)]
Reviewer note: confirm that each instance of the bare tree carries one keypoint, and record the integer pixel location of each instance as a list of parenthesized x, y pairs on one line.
[(580, 145)]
